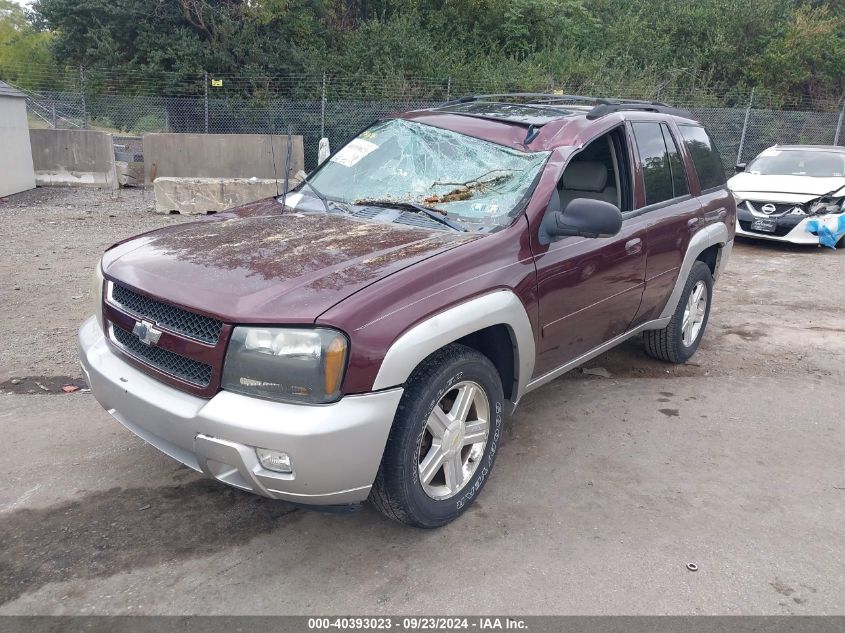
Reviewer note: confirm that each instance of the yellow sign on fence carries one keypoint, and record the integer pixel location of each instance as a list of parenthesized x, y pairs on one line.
[(217, 83)]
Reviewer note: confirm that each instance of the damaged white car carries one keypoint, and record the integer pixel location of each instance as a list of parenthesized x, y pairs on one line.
[(792, 193)]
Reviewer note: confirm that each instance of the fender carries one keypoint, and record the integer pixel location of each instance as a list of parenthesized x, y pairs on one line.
[(501, 307), (705, 238)]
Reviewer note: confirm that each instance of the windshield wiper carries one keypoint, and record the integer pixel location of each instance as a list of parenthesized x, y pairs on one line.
[(321, 196), (435, 214)]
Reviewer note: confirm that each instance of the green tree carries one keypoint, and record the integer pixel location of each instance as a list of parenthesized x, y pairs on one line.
[(806, 58), (25, 56)]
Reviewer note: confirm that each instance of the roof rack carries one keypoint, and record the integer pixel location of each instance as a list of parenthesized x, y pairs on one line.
[(603, 107), (531, 98)]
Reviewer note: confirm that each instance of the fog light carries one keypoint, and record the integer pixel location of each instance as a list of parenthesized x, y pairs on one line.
[(276, 461)]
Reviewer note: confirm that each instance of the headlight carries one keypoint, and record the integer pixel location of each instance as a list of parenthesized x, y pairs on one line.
[(286, 364), (97, 292)]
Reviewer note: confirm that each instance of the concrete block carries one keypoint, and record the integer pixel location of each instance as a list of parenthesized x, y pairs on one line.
[(129, 174), (73, 158), (261, 156), (201, 195)]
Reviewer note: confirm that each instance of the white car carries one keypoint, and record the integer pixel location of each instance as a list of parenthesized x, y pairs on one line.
[(792, 193)]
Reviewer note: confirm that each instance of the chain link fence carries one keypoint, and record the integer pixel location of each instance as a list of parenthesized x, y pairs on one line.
[(338, 108)]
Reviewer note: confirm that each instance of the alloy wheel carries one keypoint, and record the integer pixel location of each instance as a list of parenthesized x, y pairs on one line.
[(694, 313), (454, 440)]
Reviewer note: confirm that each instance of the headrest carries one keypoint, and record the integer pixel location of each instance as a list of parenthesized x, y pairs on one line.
[(585, 176)]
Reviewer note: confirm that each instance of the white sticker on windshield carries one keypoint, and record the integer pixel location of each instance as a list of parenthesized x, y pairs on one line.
[(354, 152)]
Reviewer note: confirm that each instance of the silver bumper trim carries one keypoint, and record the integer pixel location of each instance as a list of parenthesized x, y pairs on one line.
[(335, 449)]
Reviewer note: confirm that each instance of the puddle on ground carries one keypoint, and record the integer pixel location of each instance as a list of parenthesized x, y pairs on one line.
[(107, 532)]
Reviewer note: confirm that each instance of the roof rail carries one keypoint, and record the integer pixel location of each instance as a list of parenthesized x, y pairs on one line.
[(536, 98), (529, 97), (604, 109)]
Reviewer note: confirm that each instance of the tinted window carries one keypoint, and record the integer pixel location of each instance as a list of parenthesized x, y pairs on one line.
[(708, 164), (676, 165), (657, 176)]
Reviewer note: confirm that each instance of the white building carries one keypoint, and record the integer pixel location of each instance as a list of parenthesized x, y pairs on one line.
[(16, 170)]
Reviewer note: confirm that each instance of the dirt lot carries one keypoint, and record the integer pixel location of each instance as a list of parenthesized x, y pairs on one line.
[(605, 488)]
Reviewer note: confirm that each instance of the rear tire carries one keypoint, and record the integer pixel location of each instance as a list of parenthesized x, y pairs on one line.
[(679, 340), (443, 441)]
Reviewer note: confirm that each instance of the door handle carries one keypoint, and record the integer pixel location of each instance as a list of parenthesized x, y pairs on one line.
[(693, 223), (634, 246)]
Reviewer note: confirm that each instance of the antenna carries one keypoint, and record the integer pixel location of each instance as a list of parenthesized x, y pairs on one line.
[(275, 172), (287, 167)]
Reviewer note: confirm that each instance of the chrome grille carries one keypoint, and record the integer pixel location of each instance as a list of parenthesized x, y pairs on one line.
[(196, 326), (780, 208), (189, 370)]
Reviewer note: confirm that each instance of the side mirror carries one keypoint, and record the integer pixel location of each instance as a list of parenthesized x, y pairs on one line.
[(740, 167), (584, 217)]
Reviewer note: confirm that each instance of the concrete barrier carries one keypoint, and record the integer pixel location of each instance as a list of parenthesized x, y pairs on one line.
[(259, 156), (203, 195), (73, 157)]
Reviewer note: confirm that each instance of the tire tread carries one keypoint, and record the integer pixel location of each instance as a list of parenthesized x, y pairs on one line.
[(383, 496), (666, 344)]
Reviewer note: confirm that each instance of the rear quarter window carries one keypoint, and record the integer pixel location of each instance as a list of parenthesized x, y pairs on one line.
[(705, 157)]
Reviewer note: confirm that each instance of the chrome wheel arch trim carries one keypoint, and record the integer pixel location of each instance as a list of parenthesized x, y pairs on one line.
[(711, 235), (501, 307)]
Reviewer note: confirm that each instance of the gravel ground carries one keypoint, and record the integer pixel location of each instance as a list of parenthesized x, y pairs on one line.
[(604, 489), (52, 239)]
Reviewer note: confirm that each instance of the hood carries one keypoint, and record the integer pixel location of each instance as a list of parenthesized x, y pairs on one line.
[(245, 267), (782, 188)]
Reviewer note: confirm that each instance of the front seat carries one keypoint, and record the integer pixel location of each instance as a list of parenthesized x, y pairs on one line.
[(586, 179)]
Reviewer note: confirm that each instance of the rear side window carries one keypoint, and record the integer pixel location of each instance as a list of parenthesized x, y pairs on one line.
[(676, 165), (657, 176), (708, 164)]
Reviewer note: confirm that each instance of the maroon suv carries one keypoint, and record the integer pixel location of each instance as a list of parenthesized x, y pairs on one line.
[(364, 336)]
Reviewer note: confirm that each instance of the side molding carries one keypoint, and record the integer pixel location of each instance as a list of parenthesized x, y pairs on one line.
[(657, 324), (501, 307), (704, 239)]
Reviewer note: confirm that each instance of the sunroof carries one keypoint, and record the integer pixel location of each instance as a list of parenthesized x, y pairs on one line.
[(513, 112)]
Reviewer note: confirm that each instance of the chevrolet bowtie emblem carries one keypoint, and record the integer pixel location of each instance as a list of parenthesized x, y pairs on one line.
[(146, 333)]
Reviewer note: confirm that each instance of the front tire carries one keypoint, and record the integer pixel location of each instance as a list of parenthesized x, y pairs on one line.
[(443, 441), (679, 340)]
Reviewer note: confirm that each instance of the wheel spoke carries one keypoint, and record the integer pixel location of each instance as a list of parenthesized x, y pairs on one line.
[(463, 402), (438, 421), (458, 438), (475, 431), (453, 468), (432, 463), (696, 295)]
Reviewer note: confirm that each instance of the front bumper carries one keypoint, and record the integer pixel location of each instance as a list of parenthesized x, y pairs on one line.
[(797, 234), (335, 449)]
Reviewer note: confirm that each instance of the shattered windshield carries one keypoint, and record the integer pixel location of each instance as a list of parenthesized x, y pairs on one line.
[(791, 162), (407, 162)]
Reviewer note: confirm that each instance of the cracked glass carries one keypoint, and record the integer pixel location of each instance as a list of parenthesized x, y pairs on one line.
[(471, 179)]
